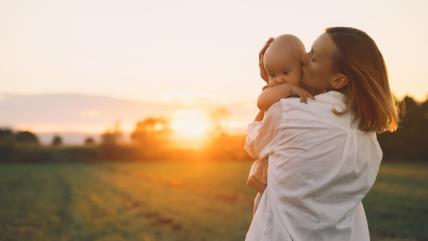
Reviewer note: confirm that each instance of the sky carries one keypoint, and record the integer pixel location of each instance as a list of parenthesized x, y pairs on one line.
[(161, 50)]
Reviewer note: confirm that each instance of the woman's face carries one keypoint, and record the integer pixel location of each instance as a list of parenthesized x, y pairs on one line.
[(317, 65)]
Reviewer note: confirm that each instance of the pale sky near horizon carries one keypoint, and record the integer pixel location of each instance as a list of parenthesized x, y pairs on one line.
[(152, 50)]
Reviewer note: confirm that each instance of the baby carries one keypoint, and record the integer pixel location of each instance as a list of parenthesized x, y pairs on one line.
[(280, 67)]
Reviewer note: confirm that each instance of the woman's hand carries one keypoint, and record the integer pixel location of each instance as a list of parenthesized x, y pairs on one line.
[(263, 72), (257, 178)]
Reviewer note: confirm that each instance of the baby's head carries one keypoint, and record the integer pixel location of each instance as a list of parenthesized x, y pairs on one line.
[(282, 60)]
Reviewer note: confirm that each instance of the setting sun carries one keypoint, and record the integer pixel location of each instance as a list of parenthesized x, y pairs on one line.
[(190, 124)]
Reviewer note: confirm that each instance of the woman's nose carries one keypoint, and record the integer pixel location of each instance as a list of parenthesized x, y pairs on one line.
[(304, 59)]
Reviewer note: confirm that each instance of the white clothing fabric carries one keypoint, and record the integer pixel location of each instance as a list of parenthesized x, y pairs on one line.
[(320, 167)]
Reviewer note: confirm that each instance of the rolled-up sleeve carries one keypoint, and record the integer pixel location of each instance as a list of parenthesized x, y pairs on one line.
[(262, 135)]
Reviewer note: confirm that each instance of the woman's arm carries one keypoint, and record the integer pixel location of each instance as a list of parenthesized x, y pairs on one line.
[(271, 95)]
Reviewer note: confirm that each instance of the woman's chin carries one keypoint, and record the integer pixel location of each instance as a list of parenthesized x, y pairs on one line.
[(313, 91), (304, 84)]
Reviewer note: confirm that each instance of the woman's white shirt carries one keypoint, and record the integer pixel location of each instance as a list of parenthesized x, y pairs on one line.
[(320, 167)]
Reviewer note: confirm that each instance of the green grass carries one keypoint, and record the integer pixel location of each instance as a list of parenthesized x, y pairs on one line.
[(176, 201), (397, 205)]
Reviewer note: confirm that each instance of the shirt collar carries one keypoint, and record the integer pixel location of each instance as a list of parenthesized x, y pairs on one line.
[(332, 97)]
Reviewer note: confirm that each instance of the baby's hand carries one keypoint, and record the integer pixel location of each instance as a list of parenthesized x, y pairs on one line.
[(302, 93)]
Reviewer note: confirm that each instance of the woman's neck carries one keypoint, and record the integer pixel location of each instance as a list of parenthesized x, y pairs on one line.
[(314, 91)]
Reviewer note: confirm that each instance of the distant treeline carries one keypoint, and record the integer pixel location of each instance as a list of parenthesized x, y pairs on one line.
[(151, 141), (410, 141)]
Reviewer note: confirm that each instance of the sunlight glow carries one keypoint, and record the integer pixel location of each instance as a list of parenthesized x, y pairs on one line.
[(190, 124)]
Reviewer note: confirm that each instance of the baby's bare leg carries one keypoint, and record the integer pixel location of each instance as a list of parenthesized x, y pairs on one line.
[(256, 202)]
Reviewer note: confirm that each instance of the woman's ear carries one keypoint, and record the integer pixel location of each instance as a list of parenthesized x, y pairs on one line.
[(339, 81)]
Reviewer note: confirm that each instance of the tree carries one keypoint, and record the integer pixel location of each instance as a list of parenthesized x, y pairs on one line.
[(7, 148), (152, 132), (410, 140), (26, 137), (112, 143), (217, 116), (89, 141), (56, 141), (112, 136), (6, 136)]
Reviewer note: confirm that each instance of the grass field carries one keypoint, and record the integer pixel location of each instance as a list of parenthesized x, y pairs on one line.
[(173, 201)]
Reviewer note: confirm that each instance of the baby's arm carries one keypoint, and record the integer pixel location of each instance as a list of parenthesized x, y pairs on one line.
[(271, 95)]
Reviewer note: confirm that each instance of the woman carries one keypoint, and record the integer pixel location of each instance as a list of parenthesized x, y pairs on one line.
[(324, 155)]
